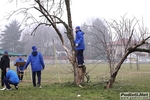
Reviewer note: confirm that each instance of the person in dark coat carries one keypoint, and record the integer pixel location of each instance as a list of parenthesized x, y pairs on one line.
[(11, 78), (37, 64), (19, 69), (4, 63), (80, 46)]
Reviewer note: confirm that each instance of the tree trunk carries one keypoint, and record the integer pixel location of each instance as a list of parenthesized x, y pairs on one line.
[(114, 74), (80, 75), (78, 72)]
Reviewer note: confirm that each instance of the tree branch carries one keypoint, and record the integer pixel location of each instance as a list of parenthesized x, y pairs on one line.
[(141, 50)]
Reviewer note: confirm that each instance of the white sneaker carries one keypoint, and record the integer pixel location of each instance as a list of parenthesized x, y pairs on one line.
[(17, 87), (3, 89), (40, 86)]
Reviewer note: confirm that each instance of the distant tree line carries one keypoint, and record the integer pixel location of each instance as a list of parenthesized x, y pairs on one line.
[(20, 40), (11, 37)]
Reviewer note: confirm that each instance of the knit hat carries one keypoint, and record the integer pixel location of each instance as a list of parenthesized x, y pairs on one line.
[(5, 52), (78, 27), (34, 48)]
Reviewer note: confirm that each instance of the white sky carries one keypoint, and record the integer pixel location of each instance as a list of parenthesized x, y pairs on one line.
[(85, 10), (110, 9)]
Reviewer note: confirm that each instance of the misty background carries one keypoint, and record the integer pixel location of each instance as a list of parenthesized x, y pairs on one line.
[(17, 39)]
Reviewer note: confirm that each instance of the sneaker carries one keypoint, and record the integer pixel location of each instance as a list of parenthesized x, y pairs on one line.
[(40, 86), (81, 66), (16, 87), (3, 89)]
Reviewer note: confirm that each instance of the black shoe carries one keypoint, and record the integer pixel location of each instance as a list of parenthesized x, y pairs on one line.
[(81, 66), (16, 87), (39, 86)]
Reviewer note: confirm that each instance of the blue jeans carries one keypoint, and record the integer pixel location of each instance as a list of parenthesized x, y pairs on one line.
[(34, 78), (80, 57), (7, 82)]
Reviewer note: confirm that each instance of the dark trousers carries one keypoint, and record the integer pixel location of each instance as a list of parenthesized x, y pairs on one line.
[(7, 82), (3, 75), (20, 75), (38, 73), (80, 57)]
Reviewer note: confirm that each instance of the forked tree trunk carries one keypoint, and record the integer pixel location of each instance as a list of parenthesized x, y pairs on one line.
[(80, 75), (130, 50), (78, 72)]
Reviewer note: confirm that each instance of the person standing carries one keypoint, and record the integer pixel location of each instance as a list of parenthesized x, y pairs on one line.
[(4, 63), (19, 69), (79, 46), (37, 64), (11, 78)]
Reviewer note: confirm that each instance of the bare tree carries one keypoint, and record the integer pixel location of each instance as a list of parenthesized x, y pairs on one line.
[(115, 40), (102, 43), (132, 37), (51, 12), (42, 39)]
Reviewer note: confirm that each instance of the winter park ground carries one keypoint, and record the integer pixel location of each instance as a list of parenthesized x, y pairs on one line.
[(57, 84)]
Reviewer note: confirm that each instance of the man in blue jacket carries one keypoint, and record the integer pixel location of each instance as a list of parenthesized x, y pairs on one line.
[(80, 46), (20, 69), (37, 64), (11, 78)]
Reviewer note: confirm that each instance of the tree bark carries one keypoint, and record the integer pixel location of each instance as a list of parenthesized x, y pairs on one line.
[(80, 75)]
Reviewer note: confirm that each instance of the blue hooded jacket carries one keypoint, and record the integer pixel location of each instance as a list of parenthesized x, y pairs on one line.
[(12, 76), (20, 67), (79, 40), (36, 59)]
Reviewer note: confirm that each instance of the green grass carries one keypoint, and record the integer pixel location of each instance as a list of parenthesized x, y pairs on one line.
[(128, 80)]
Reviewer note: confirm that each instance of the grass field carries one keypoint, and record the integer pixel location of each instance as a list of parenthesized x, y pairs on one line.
[(57, 84)]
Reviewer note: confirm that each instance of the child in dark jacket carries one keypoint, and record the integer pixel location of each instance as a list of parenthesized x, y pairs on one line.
[(20, 69), (4, 63)]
